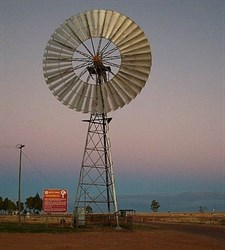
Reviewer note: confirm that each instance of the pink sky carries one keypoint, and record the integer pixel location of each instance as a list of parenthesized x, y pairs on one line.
[(170, 138)]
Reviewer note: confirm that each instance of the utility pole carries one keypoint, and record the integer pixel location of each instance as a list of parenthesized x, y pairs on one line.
[(20, 147)]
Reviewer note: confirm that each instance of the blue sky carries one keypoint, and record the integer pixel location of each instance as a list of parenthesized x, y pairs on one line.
[(169, 139)]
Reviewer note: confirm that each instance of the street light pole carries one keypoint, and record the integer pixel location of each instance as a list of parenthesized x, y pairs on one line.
[(20, 147)]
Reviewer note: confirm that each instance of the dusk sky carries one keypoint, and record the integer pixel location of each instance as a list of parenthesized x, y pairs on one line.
[(170, 138)]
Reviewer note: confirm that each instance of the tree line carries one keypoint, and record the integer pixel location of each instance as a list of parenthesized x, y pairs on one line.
[(33, 204)]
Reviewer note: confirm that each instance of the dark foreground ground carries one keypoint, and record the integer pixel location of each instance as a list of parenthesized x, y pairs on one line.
[(146, 236), (152, 231)]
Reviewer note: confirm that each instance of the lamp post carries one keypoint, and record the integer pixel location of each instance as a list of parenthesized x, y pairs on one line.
[(20, 147)]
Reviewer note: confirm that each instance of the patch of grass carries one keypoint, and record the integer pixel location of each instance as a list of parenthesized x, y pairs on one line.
[(222, 222), (145, 227), (34, 228), (52, 228)]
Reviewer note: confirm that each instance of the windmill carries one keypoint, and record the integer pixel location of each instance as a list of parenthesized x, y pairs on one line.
[(96, 62)]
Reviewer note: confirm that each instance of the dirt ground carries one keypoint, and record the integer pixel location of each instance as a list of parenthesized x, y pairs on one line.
[(152, 236), (187, 231)]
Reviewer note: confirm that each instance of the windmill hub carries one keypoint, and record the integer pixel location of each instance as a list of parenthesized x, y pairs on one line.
[(99, 69), (97, 59)]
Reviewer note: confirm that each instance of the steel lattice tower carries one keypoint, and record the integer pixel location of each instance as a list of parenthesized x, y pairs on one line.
[(96, 186)]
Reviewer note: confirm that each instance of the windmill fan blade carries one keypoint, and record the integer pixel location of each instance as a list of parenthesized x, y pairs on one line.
[(97, 61)]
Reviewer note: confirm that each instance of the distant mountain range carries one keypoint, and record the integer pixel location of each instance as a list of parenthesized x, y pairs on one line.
[(179, 202)]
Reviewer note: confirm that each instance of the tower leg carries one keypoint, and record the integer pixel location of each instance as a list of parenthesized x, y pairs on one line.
[(96, 186)]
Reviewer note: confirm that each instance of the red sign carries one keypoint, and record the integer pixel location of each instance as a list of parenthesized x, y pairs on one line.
[(55, 200)]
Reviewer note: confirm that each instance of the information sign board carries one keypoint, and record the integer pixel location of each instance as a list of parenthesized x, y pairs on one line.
[(55, 200)]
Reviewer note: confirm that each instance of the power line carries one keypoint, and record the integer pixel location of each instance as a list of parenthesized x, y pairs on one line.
[(33, 165), (36, 168)]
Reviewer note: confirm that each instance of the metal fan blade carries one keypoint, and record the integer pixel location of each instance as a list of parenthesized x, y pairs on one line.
[(128, 87), (75, 102), (75, 28), (128, 34), (71, 95), (61, 43), (107, 19), (122, 30), (99, 17), (53, 84), (135, 48), (117, 95), (63, 89), (57, 74), (139, 60), (87, 99), (136, 42), (55, 67), (128, 72), (59, 51), (124, 97), (111, 97)]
